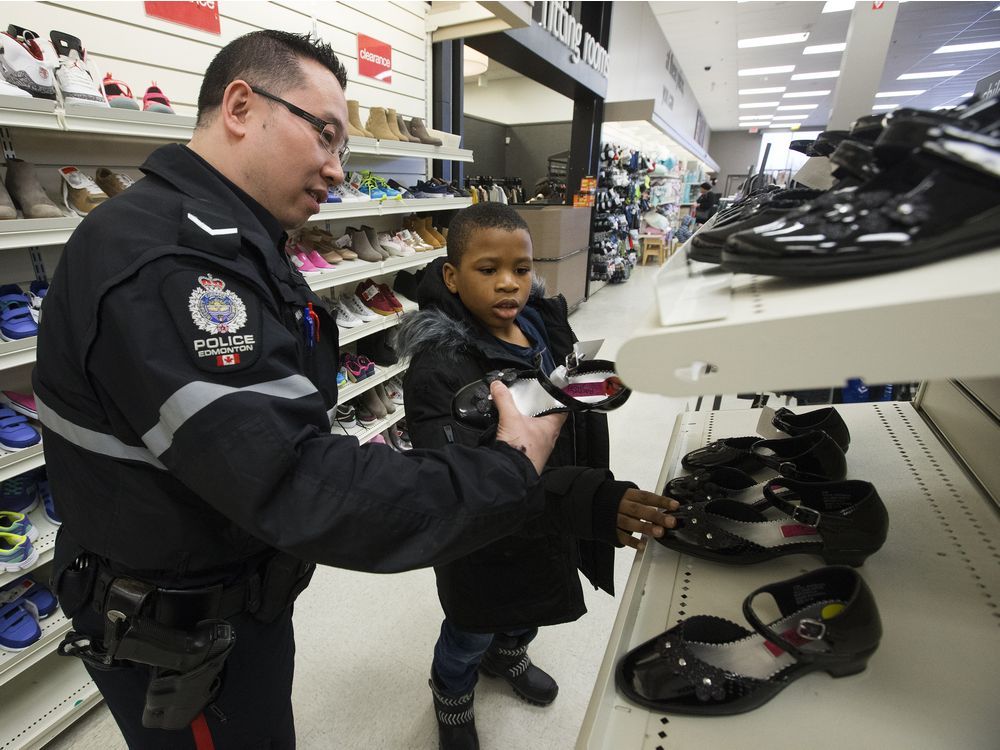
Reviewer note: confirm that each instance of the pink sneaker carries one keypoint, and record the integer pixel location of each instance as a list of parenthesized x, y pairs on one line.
[(317, 260), (154, 100), (301, 261), (22, 403)]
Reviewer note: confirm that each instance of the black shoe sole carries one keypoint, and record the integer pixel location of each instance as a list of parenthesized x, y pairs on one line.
[(976, 234), (517, 692)]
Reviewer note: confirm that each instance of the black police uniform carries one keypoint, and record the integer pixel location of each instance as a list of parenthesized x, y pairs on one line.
[(185, 377)]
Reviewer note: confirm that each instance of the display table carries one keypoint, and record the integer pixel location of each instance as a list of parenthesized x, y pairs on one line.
[(931, 684)]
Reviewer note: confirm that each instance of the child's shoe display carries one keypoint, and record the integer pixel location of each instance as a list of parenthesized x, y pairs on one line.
[(27, 589), (73, 74), (373, 404), (19, 493), (22, 403), (154, 100), (18, 625), (358, 308), (15, 432), (18, 524), (45, 495), (346, 417), (345, 318), (394, 390), (386, 401), (373, 298), (118, 94), (80, 193)]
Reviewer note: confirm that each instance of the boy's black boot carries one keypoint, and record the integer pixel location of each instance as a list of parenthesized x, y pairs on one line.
[(456, 720), (508, 658)]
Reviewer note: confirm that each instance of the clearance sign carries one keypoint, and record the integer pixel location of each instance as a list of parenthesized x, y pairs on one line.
[(374, 59), (202, 14)]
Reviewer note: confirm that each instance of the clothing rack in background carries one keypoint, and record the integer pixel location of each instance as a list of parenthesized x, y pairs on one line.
[(497, 189)]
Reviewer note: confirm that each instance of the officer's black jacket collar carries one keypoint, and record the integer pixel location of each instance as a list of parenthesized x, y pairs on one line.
[(193, 176)]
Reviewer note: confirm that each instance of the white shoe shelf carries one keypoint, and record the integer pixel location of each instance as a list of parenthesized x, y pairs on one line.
[(382, 374), (932, 682), (365, 433), (713, 332), (44, 545), (25, 112), (13, 663), (42, 703), (17, 462), (17, 353), (362, 209)]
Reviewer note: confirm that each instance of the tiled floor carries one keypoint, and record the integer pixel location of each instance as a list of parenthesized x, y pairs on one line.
[(364, 641)]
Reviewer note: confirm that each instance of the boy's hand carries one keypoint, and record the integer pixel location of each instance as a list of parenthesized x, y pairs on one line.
[(535, 437), (642, 512)]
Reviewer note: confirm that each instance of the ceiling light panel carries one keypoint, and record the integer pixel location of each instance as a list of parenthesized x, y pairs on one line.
[(783, 125), (885, 106), (755, 117), (836, 6), (766, 71), (929, 74), (897, 94), (765, 90), (971, 47), (791, 117), (793, 107), (806, 94), (822, 49), (772, 41), (815, 76), (758, 105)]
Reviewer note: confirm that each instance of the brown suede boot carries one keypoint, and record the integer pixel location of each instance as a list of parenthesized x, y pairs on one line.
[(354, 120), (425, 234), (390, 120), (418, 130), (429, 225), (378, 125), (401, 125)]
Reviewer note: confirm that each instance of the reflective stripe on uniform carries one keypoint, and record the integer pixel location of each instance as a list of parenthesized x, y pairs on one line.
[(195, 396), (91, 440)]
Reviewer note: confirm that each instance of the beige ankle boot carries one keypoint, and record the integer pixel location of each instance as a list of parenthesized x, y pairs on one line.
[(354, 120), (23, 186), (378, 125)]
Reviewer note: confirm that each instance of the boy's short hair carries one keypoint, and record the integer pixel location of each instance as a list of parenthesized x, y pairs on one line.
[(265, 58), (480, 216)]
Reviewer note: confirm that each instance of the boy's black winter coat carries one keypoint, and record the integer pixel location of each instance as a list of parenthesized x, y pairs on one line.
[(530, 578)]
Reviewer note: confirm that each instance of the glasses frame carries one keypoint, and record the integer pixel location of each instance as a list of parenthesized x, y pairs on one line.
[(343, 153)]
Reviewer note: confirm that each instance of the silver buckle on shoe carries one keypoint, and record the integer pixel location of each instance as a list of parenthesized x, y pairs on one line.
[(811, 630), (807, 516)]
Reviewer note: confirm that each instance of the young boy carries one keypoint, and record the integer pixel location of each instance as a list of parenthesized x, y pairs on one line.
[(479, 312)]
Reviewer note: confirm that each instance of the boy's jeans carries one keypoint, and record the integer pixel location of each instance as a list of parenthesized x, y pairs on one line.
[(457, 655)]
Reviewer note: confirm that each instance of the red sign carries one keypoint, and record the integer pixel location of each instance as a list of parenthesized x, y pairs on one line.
[(878, 4), (198, 14), (374, 59)]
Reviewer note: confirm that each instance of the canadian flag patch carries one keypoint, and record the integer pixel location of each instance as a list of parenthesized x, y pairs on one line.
[(225, 360)]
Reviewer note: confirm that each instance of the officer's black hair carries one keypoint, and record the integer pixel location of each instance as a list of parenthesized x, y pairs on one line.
[(480, 216), (268, 59), (706, 186)]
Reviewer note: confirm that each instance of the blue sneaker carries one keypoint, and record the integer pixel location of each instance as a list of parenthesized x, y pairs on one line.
[(28, 589), (16, 553), (16, 320), (333, 197), (45, 495), (380, 183), (19, 493), (367, 187), (18, 626), (17, 524), (15, 432)]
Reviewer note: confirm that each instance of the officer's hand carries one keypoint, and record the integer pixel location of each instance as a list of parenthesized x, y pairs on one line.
[(643, 512), (533, 436)]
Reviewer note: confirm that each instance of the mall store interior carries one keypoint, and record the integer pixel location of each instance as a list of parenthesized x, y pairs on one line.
[(777, 220)]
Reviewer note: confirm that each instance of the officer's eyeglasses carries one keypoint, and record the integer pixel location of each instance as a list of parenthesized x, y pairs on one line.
[(327, 130)]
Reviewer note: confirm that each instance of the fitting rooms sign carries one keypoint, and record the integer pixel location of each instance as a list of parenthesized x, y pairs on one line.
[(557, 19)]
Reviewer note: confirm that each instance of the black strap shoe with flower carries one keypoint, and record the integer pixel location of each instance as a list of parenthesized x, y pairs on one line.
[(842, 522), (589, 385), (711, 484), (826, 420), (710, 666), (813, 456)]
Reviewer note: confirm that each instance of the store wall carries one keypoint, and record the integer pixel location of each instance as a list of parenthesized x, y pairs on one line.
[(638, 55), (530, 148), (486, 139), (734, 150), (137, 49), (516, 100)]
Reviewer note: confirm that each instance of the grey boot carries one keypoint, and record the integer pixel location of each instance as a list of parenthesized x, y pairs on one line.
[(508, 659), (360, 245), (456, 720), (24, 188), (404, 131), (418, 129)]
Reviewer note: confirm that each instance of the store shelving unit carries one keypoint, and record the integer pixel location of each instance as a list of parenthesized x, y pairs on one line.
[(935, 583), (18, 233), (17, 462), (12, 663), (364, 433), (759, 333), (352, 271), (17, 353), (347, 335), (382, 374), (55, 693)]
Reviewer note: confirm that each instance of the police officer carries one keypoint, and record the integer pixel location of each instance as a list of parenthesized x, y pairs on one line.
[(184, 379)]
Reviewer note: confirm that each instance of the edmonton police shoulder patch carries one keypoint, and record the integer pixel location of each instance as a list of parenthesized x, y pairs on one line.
[(219, 319)]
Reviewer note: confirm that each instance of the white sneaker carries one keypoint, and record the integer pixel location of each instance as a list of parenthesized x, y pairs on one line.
[(356, 194), (357, 307), (393, 247), (76, 80), (345, 196), (408, 248), (394, 390), (345, 318), (23, 66)]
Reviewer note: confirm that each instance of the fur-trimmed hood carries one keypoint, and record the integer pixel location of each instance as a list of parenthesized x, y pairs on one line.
[(443, 323)]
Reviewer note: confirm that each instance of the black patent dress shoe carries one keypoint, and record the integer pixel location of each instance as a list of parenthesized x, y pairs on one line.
[(710, 666), (826, 420), (813, 456), (507, 658), (842, 522)]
